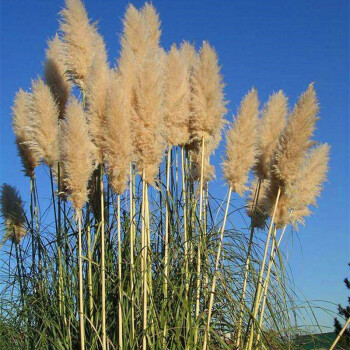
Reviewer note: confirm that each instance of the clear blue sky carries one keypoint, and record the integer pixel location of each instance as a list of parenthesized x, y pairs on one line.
[(271, 45)]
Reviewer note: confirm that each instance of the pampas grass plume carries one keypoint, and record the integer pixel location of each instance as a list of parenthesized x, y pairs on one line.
[(177, 98), (44, 123), (20, 123), (148, 111), (96, 95), (270, 128), (308, 185), (208, 104), (117, 141), (76, 154), (13, 213), (79, 41), (295, 139), (55, 73), (241, 144)]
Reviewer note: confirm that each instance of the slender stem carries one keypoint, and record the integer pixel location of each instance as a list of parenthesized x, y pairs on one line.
[(144, 262), (198, 282), (267, 279), (132, 231), (184, 198), (89, 255), (261, 273), (217, 261), (103, 268), (120, 317), (246, 268), (347, 324), (166, 240), (81, 301)]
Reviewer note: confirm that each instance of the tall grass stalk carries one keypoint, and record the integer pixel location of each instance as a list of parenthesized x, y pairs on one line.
[(274, 249), (120, 291), (199, 248), (132, 249), (103, 267), (336, 340), (144, 263), (246, 270), (217, 261), (166, 240), (261, 273), (81, 293)]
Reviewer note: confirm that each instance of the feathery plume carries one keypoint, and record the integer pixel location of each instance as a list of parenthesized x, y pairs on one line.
[(177, 98), (295, 139), (76, 154), (43, 123), (270, 128), (152, 23), (118, 139), (299, 195), (134, 33), (96, 95), (208, 103), (308, 185), (79, 41), (208, 106), (20, 123), (148, 111), (189, 54), (55, 73), (241, 144), (13, 213)]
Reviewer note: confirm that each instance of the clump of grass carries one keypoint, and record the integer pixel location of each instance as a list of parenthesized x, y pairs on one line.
[(126, 265)]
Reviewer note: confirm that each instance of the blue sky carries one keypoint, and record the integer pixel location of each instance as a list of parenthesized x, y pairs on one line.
[(271, 45)]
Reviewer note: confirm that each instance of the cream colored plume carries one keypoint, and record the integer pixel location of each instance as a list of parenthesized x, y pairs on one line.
[(241, 144), (270, 127), (149, 117), (20, 124), (12, 212), (43, 123), (208, 107), (79, 41), (295, 139), (55, 73), (308, 185), (141, 69), (134, 35), (189, 54), (117, 143), (96, 95), (207, 101), (76, 154), (298, 196), (177, 98)]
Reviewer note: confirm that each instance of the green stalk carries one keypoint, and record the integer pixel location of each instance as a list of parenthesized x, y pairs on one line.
[(199, 250), (246, 269), (103, 268), (261, 273), (81, 296), (89, 255), (132, 239), (166, 242), (267, 280), (120, 317), (144, 263), (184, 198), (217, 261)]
